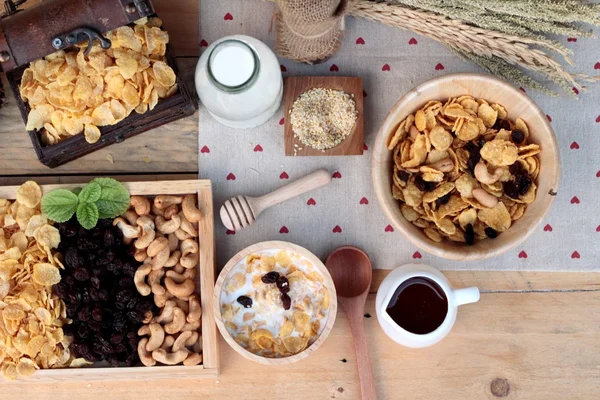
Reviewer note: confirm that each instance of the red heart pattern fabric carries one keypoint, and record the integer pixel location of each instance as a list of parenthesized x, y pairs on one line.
[(251, 162)]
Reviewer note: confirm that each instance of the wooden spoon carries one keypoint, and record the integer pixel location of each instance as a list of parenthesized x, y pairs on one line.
[(241, 211), (351, 271)]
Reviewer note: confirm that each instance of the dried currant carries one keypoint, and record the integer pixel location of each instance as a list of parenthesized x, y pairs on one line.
[(283, 284), (517, 136), (270, 277), (403, 175), (491, 233), (286, 301), (523, 183), (245, 301), (423, 185), (469, 234), (443, 200), (502, 124), (511, 189)]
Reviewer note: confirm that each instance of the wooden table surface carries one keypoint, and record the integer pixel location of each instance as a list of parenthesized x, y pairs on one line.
[(532, 335)]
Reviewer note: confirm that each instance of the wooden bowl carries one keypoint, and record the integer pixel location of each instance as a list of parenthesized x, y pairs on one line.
[(518, 105), (275, 245)]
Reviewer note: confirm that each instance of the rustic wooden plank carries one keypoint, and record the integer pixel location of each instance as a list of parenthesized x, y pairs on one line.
[(544, 344), (46, 180), (181, 19), (513, 281), (171, 148)]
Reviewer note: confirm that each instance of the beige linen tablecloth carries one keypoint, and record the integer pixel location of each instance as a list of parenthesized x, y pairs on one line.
[(346, 212)]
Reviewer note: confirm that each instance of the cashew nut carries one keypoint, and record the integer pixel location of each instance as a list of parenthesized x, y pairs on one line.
[(181, 340), (168, 226), (160, 259), (154, 278), (157, 211), (483, 176), (192, 359), (177, 357), (180, 289), (141, 205), (166, 314), (179, 268), (177, 323), (184, 305), (148, 232), (129, 231), (190, 273), (197, 347), (147, 317), (189, 253), (140, 255), (195, 310), (190, 210), (173, 242), (191, 326), (157, 335), (161, 299), (164, 201), (181, 234), (131, 217), (177, 278), (445, 165), (170, 211), (173, 259), (144, 330), (187, 226), (168, 342), (486, 199), (156, 246), (145, 356), (139, 278), (192, 340)]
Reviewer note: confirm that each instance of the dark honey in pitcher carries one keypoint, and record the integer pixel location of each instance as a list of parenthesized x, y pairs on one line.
[(419, 305)]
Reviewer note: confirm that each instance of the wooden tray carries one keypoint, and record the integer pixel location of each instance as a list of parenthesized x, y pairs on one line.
[(294, 86), (180, 105), (205, 283)]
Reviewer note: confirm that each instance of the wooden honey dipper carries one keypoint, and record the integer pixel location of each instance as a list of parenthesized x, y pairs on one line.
[(241, 211)]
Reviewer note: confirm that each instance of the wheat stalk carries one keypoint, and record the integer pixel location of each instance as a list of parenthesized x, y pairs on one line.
[(474, 42)]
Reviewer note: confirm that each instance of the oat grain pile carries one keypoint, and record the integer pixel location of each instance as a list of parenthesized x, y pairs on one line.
[(323, 118)]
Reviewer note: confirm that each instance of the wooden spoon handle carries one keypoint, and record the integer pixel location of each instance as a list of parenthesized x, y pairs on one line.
[(363, 358), (311, 181)]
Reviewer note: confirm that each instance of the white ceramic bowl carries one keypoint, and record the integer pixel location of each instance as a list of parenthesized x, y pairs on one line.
[(518, 105), (265, 246)]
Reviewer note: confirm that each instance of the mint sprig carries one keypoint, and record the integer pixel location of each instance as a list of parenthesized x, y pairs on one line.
[(101, 198)]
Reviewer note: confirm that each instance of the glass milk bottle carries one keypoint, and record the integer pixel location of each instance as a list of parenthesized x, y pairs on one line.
[(238, 79)]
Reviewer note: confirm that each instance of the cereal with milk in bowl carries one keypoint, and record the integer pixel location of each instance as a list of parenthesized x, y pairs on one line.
[(274, 303)]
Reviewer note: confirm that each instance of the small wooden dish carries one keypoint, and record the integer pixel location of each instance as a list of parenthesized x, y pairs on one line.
[(205, 279), (294, 86), (275, 245), (518, 105)]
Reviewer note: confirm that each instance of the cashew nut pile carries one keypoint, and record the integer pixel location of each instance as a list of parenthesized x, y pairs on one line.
[(164, 235)]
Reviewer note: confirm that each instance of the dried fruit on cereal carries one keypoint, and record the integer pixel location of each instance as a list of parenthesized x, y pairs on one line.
[(462, 170)]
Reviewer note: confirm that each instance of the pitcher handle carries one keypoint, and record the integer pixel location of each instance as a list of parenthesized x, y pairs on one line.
[(466, 295)]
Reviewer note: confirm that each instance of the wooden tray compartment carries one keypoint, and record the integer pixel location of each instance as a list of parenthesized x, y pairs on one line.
[(205, 283), (180, 105)]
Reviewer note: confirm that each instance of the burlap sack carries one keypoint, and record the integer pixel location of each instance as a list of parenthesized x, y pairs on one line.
[(309, 31)]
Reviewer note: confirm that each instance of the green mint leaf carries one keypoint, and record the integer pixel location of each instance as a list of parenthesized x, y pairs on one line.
[(87, 215), (59, 205), (90, 193), (76, 190), (114, 198)]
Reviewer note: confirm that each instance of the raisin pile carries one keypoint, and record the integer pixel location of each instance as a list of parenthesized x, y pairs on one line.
[(99, 293), (282, 283)]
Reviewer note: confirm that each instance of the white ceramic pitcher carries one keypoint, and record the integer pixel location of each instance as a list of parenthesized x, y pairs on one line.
[(455, 297)]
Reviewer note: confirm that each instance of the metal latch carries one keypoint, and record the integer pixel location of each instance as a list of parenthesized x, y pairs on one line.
[(80, 35)]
